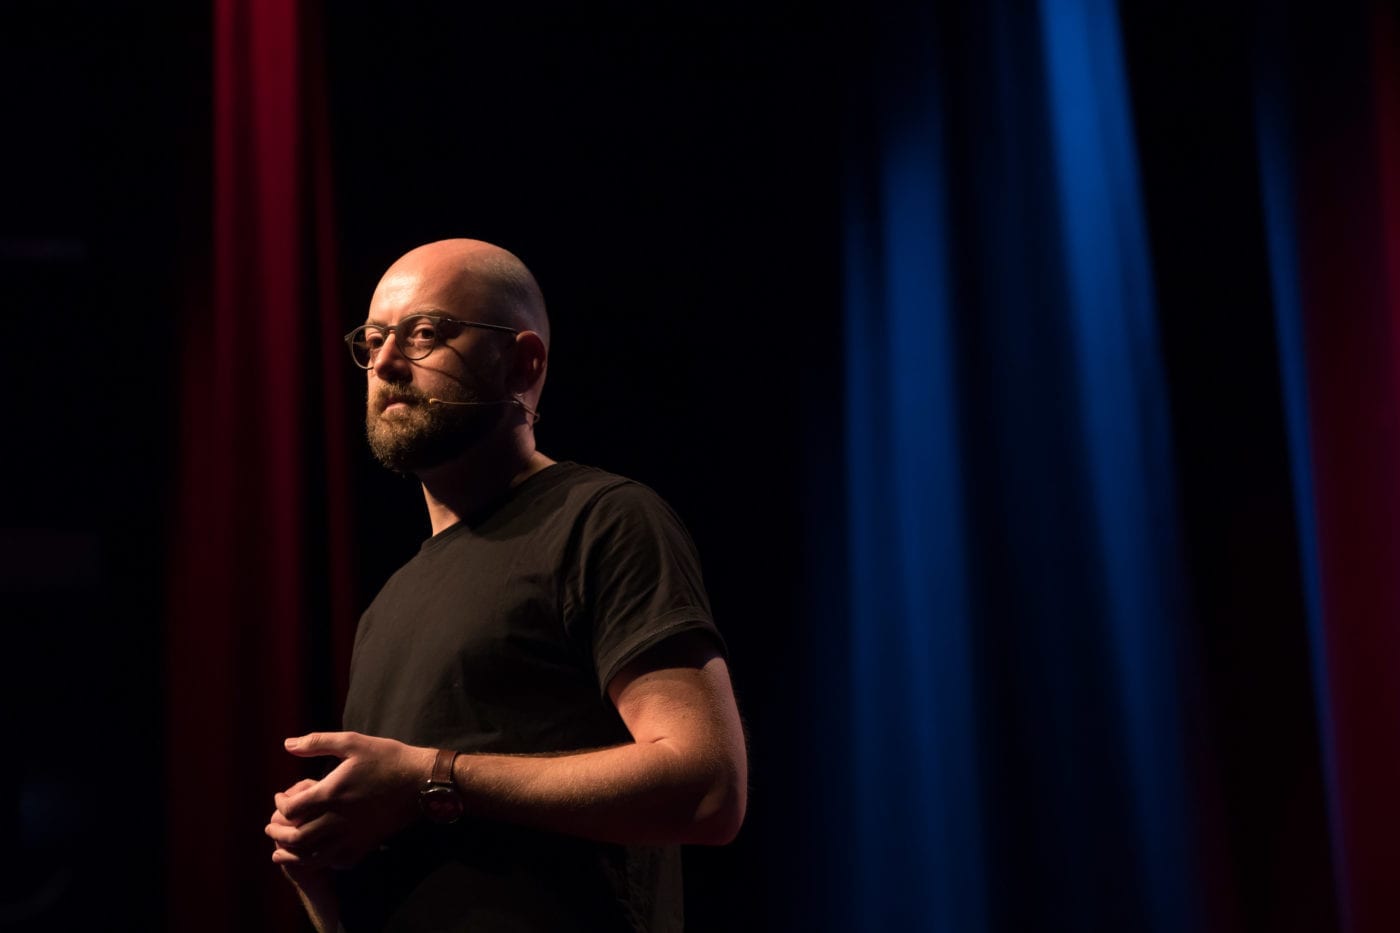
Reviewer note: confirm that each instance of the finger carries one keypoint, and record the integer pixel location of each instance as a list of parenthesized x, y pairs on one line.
[(317, 798), (317, 744), (285, 837), (301, 848), (290, 860), (302, 785), (296, 839), (310, 839), (301, 872), (278, 801), (279, 819), (325, 845), (305, 806)]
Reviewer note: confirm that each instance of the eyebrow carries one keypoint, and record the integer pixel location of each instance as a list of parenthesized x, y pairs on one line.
[(437, 311)]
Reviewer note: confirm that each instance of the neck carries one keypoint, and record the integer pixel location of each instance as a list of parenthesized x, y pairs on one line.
[(460, 487)]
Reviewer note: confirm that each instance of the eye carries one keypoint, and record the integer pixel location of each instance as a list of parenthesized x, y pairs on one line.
[(372, 338), (422, 333)]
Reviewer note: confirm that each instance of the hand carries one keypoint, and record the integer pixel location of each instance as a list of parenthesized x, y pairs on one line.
[(293, 867), (369, 796), (312, 880)]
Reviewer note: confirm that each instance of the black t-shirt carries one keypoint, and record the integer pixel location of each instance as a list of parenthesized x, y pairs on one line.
[(501, 636)]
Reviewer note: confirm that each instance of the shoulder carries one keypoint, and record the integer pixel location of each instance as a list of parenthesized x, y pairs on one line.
[(597, 494)]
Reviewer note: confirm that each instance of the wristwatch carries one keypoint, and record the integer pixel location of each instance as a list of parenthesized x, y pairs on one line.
[(439, 798)]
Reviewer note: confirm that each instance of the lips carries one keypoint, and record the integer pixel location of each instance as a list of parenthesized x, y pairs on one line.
[(397, 401)]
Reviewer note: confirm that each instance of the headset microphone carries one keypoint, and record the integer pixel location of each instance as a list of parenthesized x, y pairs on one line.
[(505, 401)]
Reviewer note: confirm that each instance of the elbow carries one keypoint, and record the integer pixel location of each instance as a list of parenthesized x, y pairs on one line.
[(720, 812), (719, 828)]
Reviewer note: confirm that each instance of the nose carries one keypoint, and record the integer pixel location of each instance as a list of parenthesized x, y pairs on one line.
[(389, 364)]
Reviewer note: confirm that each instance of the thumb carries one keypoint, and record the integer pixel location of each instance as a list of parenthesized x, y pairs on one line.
[(319, 744)]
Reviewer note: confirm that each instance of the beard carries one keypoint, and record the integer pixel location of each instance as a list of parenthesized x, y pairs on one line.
[(422, 435)]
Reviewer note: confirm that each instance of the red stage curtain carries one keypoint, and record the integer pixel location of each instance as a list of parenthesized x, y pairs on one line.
[(1349, 209), (259, 578)]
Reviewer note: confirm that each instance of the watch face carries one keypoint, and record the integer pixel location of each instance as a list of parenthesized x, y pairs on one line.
[(441, 803)]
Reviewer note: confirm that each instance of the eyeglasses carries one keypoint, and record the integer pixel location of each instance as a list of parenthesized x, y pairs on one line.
[(418, 335)]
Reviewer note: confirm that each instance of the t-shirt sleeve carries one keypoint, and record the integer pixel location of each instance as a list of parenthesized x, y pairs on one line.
[(637, 580)]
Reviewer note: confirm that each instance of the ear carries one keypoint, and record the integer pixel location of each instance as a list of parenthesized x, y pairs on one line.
[(529, 362)]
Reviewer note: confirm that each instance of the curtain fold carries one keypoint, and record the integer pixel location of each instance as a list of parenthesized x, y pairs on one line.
[(1015, 604), (254, 576), (917, 860), (1327, 130), (1042, 723)]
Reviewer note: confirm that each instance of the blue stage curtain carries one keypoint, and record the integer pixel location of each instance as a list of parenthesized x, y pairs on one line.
[(1018, 681)]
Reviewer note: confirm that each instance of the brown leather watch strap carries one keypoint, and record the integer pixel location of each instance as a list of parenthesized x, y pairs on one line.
[(442, 766)]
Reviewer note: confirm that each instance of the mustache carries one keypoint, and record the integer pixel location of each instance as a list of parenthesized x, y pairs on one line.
[(386, 395)]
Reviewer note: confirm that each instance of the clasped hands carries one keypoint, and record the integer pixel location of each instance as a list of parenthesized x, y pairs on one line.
[(333, 822)]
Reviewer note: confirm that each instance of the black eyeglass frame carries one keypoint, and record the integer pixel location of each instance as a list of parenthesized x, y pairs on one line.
[(399, 331)]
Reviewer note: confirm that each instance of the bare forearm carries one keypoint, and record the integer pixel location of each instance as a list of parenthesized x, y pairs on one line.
[(683, 778), (317, 896), (324, 914), (639, 793)]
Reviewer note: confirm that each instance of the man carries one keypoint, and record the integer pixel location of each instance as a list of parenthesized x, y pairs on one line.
[(539, 708)]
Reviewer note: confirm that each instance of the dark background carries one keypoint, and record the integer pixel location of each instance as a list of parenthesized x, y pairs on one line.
[(674, 180)]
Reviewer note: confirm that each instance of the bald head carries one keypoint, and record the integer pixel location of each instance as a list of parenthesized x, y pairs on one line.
[(474, 274)]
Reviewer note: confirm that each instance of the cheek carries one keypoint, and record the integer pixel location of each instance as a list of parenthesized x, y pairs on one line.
[(486, 366)]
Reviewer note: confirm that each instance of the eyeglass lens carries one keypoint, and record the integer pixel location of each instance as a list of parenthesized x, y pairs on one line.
[(415, 337)]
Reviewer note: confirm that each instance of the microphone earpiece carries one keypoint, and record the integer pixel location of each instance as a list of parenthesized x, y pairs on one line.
[(514, 400)]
